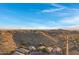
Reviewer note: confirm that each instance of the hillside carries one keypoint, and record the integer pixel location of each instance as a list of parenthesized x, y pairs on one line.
[(12, 39), (7, 45)]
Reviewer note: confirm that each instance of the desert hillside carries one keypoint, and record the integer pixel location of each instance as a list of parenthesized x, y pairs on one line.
[(7, 44), (10, 40)]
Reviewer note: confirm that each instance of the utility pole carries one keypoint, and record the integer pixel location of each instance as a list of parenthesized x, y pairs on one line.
[(67, 45), (66, 35)]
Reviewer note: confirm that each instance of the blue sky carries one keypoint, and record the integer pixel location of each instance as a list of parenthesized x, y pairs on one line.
[(39, 15)]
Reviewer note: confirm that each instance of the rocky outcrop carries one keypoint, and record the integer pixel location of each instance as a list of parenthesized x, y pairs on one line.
[(7, 45)]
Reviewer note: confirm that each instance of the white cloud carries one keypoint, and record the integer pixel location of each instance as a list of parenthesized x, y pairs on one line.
[(33, 27), (59, 7), (51, 10), (71, 20), (74, 9)]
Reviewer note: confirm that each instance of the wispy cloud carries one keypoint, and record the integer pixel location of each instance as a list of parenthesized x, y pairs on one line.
[(71, 17), (59, 7), (71, 20), (52, 10)]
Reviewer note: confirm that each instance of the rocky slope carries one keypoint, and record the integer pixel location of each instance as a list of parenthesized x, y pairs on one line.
[(7, 44), (12, 39)]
